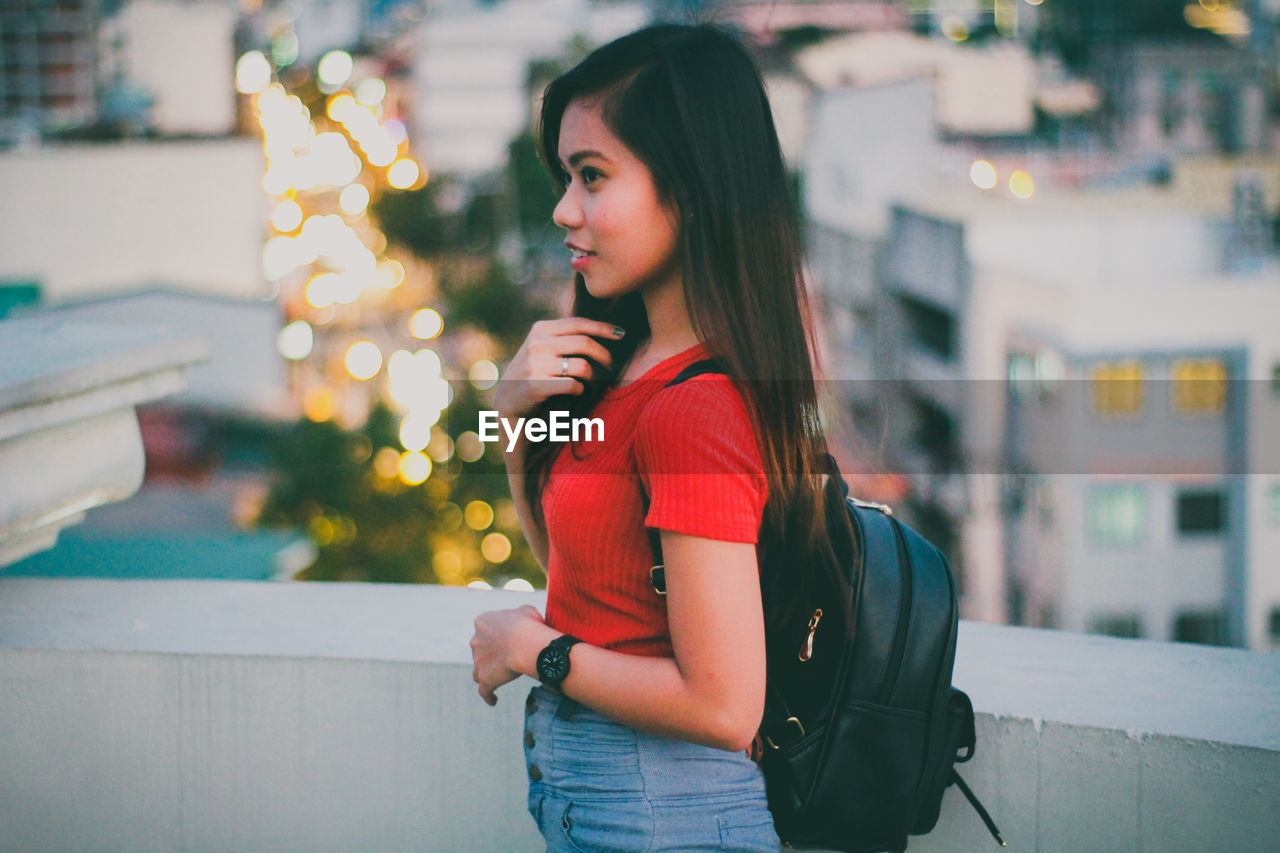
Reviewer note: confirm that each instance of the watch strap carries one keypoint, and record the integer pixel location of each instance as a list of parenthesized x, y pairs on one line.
[(564, 641)]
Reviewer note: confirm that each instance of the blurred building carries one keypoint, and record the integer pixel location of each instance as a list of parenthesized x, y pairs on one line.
[(984, 90), (121, 67), (48, 66), (1151, 515), (175, 57), (1176, 98), (471, 70), (90, 219)]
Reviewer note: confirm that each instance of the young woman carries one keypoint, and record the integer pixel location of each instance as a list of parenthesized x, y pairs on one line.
[(685, 246)]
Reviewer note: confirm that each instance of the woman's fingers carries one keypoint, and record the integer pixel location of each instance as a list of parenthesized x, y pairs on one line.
[(556, 358), (578, 326)]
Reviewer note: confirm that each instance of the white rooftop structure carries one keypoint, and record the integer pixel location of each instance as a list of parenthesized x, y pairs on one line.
[(471, 68)]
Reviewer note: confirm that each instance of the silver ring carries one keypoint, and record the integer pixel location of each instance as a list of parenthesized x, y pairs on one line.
[(564, 366)]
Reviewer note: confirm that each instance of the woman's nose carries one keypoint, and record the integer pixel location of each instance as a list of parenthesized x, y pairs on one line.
[(568, 212)]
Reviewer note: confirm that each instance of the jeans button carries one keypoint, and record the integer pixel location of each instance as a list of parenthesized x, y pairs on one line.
[(528, 738), (534, 773)]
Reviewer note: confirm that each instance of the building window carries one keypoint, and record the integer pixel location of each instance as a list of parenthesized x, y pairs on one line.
[(1273, 504), (1117, 388), (936, 435), (1207, 628), (1117, 625), (1273, 628), (1117, 514), (1201, 511), (1199, 386), (930, 327), (1275, 379)]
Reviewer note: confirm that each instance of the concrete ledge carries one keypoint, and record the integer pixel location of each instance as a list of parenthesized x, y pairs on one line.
[(68, 432), (198, 715)]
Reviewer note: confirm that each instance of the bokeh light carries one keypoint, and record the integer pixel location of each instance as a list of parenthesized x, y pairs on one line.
[(1021, 185), (426, 324), (483, 374), (335, 68), (295, 340), (386, 462), (448, 566), (403, 174), (415, 433), (364, 360), (253, 73), (983, 174), (284, 49), (495, 548), (469, 447), (287, 216), (415, 468), (371, 91), (479, 515), (440, 448), (317, 404), (518, 585), (354, 199)]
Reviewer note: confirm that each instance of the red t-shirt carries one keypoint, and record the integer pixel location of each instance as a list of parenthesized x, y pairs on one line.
[(693, 449)]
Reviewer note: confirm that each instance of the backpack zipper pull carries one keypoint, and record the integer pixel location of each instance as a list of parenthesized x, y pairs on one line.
[(806, 651)]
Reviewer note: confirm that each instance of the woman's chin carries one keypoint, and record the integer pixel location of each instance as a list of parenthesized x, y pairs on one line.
[(599, 289)]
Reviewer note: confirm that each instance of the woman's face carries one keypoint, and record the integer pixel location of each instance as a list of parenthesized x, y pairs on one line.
[(621, 236)]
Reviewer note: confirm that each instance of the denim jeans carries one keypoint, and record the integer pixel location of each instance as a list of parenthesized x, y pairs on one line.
[(596, 786)]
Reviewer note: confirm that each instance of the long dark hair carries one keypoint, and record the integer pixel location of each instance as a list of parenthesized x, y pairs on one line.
[(689, 103)]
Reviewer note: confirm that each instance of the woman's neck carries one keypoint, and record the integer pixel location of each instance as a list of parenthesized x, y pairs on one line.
[(670, 329)]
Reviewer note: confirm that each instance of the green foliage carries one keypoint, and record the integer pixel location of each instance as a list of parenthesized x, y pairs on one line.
[(367, 527), (493, 303), (535, 192), (416, 220)]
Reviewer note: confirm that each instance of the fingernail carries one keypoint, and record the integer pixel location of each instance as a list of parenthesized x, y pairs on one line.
[(619, 331)]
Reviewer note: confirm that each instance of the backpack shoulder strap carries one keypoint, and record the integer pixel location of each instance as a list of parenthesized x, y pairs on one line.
[(657, 574), (697, 368)]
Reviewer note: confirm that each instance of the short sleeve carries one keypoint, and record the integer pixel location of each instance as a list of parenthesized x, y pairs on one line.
[(699, 462)]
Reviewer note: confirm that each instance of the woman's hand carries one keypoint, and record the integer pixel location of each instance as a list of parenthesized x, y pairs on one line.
[(553, 360), (505, 639)]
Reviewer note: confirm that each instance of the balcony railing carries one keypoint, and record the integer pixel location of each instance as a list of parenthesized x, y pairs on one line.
[(217, 715)]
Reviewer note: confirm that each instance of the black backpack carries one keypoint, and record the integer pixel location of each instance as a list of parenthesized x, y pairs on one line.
[(862, 727)]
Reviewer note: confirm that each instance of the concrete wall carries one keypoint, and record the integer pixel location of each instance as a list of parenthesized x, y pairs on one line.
[(246, 373), (179, 715), (84, 220)]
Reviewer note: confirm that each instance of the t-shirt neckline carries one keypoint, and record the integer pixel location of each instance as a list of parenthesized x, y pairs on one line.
[(662, 371)]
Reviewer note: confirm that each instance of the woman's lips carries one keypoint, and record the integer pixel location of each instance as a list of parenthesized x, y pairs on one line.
[(579, 261)]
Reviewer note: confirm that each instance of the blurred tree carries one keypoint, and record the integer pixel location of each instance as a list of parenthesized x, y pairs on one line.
[(535, 192), (494, 303), (425, 221), (369, 525)]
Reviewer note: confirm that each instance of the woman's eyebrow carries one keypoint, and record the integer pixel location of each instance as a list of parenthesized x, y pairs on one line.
[(579, 156)]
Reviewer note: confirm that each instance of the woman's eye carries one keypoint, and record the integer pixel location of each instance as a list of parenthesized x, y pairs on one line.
[(589, 175)]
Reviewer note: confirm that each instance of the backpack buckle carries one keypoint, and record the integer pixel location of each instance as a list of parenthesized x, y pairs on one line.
[(658, 577), (799, 726)]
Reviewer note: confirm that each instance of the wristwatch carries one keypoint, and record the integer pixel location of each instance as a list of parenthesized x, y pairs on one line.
[(553, 661)]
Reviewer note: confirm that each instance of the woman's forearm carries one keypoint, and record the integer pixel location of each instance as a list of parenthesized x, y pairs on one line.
[(649, 693)]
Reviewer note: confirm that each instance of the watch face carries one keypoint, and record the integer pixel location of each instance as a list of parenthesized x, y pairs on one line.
[(553, 665)]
